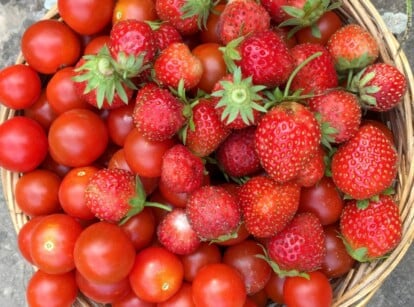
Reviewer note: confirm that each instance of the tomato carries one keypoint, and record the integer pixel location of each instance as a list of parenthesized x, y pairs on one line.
[(132, 300), (143, 10), (98, 250), (218, 284), (322, 199), (41, 111), (205, 254), (259, 299), (183, 298), (313, 292), (327, 24), (61, 94), (23, 144), (52, 290), (274, 288), (144, 156), (177, 199), (255, 271), (20, 86), (48, 45), (337, 261), (157, 274), (51, 165), (24, 237), (72, 189), (52, 243), (210, 33), (104, 293), (95, 44), (120, 123), (214, 67), (77, 138), (86, 16), (36, 192)]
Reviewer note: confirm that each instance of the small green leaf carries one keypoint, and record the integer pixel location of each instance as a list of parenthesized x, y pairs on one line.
[(293, 11), (362, 203)]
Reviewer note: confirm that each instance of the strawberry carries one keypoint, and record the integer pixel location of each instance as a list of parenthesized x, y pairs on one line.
[(213, 212), (181, 170), (157, 114), (366, 165), (352, 47), (241, 17), (236, 155), (339, 110), (316, 76), (300, 246), (164, 34), (175, 233), (313, 171), (286, 139), (380, 86), (176, 63), (372, 232), (267, 207), (205, 131)]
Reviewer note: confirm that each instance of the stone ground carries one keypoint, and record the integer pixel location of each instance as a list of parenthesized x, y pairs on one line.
[(15, 15)]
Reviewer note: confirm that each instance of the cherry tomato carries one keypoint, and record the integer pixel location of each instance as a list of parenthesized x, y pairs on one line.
[(210, 33), (51, 289), (157, 274), (36, 192), (132, 300), (313, 292), (259, 299), (86, 16), (24, 237), (274, 288), (120, 123), (95, 44), (118, 160), (98, 250), (77, 138), (143, 10), (23, 144), (177, 199), (255, 271), (20, 86), (48, 45), (51, 165), (41, 111), (52, 243), (183, 298), (218, 284)]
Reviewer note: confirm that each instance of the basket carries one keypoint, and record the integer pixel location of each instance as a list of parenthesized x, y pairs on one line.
[(360, 284)]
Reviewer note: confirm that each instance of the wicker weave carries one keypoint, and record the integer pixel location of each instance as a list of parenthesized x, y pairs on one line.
[(359, 285)]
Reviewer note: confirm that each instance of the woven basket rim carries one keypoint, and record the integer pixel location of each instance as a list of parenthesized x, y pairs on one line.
[(361, 283)]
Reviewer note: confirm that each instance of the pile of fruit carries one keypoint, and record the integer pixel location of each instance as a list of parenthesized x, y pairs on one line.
[(199, 152)]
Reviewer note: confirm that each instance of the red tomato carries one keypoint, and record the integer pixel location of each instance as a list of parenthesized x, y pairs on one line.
[(183, 298), (41, 111), (72, 189), (259, 299), (274, 288), (313, 292), (48, 45), (177, 199), (98, 250), (36, 192), (53, 241), (23, 144), (77, 138), (210, 33), (143, 10), (157, 274), (132, 300), (86, 16), (51, 289), (24, 237), (20, 86), (95, 44), (120, 123), (218, 284), (51, 165)]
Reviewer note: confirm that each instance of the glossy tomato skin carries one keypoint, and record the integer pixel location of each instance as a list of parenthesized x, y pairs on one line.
[(77, 138), (24, 238), (36, 192), (119, 122), (274, 288), (95, 44), (51, 289), (210, 33), (315, 291), (157, 274), (41, 111), (48, 45), (328, 23), (98, 250), (183, 297), (23, 144), (143, 10), (132, 300), (218, 285), (20, 86), (86, 16)]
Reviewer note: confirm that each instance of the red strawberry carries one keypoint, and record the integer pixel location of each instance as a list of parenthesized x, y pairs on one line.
[(286, 139), (366, 165), (372, 232), (175, 63), (237, 155), (352, 47), (175, 233), (316, 76), (300, 246), (181, 170), (158, 114), (242, 17), (380, 86), (339, 110), (267, 207), (213, 212), (313, 171), (165, 34), (205, 130)]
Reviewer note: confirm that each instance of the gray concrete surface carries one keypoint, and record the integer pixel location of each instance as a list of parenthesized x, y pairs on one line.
[(15, 15)]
